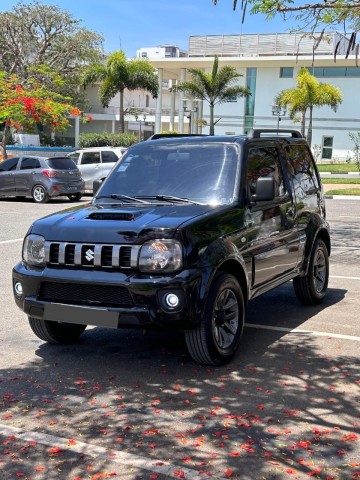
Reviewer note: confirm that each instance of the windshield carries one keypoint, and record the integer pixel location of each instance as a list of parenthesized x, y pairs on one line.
[(201, 172)]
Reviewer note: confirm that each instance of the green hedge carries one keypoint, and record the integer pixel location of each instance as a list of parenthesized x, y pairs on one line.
[(107, 139)]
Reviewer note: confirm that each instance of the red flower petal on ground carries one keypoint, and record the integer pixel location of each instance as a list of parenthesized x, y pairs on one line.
[(154, 476), (351, 437), (55, 450), (228, 472), (179, 473), (260, 407)]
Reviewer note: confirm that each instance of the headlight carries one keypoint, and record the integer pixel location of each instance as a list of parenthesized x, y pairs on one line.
[(34, 250), (160, 256)]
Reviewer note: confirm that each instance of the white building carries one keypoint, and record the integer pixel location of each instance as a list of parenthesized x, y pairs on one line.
[(268, 63)]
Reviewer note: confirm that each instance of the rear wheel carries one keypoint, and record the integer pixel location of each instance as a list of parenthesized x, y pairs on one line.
[(311, 288), (54, 332), (217, 338), (75, 197), (40, 194)]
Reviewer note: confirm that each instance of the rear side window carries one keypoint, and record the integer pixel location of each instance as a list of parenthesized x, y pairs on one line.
[(75, 156), (61, 163), (301, 168), (108, 157), (29, 163)]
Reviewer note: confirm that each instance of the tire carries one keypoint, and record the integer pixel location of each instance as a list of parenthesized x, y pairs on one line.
[(311, 288), (217, 338), (54, 332), (39, 194), (75, 197)]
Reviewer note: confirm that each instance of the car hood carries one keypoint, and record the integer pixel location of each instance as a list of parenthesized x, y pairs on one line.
[(117, 224)]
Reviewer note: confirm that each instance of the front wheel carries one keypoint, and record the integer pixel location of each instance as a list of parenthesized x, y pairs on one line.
[(217, 338), (40, 194), (54, 332), (311, 288)]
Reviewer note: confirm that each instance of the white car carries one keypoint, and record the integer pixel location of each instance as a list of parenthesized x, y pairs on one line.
[(96, 162)]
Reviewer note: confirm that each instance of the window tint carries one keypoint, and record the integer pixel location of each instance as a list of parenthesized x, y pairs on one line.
[(9, 164), (29, 163), (90, 157), (264, 162), (61, 163), (302, 170), (108, 157), (75, 156)]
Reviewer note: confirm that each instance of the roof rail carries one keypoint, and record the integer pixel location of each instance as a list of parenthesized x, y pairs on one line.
[(258, 133), (157, 136)]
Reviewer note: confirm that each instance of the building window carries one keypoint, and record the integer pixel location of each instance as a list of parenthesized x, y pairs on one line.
[(144, 54), (147, 101), (335, 71), (250, 100), (327, 147), (286, 72), (232, 98)]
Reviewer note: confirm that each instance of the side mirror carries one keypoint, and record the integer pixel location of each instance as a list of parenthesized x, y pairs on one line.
[(96, 185), (265, 190)]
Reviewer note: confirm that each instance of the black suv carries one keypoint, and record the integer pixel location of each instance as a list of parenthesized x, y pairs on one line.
[(181, 235)]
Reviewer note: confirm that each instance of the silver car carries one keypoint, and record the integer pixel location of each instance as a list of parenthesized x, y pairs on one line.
[(41, 178), (95, 163)]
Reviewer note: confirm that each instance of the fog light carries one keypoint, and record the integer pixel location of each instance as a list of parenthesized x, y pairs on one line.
[(172, 300), (18, 289)]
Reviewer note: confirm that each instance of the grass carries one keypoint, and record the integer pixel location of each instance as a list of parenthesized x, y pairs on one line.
[(352, 181), (337, 167), (344, 191)]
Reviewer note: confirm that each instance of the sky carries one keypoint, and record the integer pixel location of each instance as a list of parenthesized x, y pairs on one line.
[(132, 24)]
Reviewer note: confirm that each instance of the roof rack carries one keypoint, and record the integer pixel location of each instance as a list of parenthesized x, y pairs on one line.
[(258, 133), (157, 136)]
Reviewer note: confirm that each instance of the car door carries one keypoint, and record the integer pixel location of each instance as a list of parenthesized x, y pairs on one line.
[(272, 236), (90, 167), (25, 175), (7, 176)]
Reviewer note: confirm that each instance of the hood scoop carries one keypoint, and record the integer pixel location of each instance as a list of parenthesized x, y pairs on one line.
[(117, 216)]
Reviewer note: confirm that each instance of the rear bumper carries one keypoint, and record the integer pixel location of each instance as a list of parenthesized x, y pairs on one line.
[(145, 298)]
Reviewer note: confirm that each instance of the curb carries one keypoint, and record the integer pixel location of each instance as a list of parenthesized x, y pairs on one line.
[(342, 197), (339, 173)]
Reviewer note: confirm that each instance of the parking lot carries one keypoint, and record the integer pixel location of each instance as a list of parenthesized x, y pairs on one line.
[(132, 405)]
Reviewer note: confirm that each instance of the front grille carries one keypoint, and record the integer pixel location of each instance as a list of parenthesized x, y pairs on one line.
[(85, 294), (91, 255)]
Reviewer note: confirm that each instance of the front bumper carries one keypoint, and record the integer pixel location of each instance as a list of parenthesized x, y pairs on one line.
[(144, 307)]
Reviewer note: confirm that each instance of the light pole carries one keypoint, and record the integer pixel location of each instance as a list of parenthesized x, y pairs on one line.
[(190, 111), (278, 111), (137, 118)]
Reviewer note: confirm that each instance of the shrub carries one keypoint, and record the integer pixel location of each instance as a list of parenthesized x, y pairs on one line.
[(107, 139)]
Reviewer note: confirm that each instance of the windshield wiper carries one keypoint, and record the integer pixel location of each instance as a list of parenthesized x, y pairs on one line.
[(170, 198), (115, 196)]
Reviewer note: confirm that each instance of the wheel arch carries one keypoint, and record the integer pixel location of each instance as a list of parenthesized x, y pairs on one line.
[(236, 269)]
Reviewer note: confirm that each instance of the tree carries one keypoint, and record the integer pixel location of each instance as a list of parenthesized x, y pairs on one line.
[(35, 34), (310, 15), (23, 105), (119, 74), (308, 94), (214, 87)]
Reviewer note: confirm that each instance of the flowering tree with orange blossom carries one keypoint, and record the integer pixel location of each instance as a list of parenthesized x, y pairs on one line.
[(24, 105)]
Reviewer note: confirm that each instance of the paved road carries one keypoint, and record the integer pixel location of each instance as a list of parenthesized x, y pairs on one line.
[(125, 405)]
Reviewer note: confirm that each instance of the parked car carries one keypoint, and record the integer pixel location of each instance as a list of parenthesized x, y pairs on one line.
[(95, 163), (181, 235), (41, 178)]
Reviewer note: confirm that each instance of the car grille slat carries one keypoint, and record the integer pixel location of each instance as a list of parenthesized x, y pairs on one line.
[(91, 255), (85, 294)]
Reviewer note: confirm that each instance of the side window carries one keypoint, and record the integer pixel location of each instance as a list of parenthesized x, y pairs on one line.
[(327, 147), (302, 169), (90, 157), (108, 157), (75, 156), (29, 163), (8, 165), (264, 162)]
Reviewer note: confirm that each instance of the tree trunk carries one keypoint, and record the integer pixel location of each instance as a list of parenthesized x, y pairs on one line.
[(3, 142), (309, 132), (212, 128), (121, 113), (303, 119)]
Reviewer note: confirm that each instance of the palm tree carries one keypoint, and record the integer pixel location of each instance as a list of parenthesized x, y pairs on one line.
[(118, 74), (214, 87), (308, 94)]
